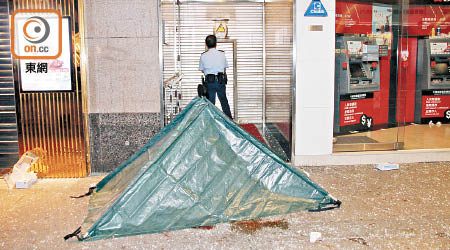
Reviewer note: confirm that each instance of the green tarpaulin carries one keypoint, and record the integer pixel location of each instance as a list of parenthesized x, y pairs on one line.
[(201, 169)]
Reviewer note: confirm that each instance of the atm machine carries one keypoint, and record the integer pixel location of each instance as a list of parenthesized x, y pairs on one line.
[(357, 76), (433, 81)]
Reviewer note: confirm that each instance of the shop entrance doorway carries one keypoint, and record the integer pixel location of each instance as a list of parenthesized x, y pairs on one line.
[(257, 38)]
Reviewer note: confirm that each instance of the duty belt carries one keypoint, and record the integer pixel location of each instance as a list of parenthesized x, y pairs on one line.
[(220, 78)]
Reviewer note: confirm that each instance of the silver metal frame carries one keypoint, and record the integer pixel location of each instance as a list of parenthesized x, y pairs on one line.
[(161, 65), (264, 71), (235, 92), (360, 147), (294, 79), (176, 42)]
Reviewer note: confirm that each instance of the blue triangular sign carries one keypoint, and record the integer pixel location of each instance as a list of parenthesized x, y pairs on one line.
[(316, 9)]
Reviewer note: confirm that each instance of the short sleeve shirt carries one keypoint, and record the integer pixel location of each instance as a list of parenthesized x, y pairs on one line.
[(213, 61)]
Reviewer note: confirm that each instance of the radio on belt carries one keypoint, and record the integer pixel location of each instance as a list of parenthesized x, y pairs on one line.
[(359, 59)]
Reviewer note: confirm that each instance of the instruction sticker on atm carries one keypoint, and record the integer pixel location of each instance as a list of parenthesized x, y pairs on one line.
[(439, 48), (354, 47)]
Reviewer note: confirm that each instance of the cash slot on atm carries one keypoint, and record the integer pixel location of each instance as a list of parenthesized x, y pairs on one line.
[(360, 73), (440, 71)]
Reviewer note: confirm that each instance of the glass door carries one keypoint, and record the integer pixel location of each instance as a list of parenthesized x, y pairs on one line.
[(424, 75), (369, 108), (278, 48)]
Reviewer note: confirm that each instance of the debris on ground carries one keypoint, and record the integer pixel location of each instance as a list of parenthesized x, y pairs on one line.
[(21, 177), (315, 236), (375, 210), (204, 227), (359, 240), (251, 226), (443, 235), (387, 166)]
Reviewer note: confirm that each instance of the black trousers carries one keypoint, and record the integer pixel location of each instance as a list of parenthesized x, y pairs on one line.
[(221, 91)]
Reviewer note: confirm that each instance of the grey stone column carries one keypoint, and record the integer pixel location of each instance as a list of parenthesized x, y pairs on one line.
[(123, 78)]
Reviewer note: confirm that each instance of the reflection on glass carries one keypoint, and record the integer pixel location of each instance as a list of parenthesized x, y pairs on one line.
[(411, 107)]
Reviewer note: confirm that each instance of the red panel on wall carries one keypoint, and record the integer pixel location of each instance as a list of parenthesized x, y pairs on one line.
[(381, 98), (435, 106), (422, 19), (353, 18), (407, 81), (351, 111)]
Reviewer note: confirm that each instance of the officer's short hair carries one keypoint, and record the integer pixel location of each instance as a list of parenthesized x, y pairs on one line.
[(211, 41)]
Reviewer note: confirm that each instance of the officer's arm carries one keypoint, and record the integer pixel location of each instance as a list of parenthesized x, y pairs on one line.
[(226, 62), (201, 67)]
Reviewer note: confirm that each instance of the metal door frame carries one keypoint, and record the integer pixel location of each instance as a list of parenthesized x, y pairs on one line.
[(235, 93)]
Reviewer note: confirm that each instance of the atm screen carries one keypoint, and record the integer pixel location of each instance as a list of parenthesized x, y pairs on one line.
[(356, 70), (441, 69)]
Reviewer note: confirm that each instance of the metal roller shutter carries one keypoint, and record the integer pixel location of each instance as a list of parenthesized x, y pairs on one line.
[(279, 26), (9, 142), (246, 26)]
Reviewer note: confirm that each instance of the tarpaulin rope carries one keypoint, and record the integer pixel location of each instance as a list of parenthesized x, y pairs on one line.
[(325, 206), (76, 233), (91, 190)]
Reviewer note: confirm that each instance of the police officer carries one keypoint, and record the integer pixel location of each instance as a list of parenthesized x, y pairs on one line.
[(213, 63)]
